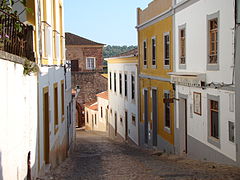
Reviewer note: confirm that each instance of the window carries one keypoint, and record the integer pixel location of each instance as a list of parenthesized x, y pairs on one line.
[(166, 49), (115, 82), (121, 120), (182, 46), (62, 91), (167, 109), (213, 41), (154, 51), (134, 120), (214, 119), (95, 119), (133, 87), (145, 53), (87, 117), (90, 63), (231, 131), (120, 83), (125, 84), (55, 105), (101, 112), (110, 83)]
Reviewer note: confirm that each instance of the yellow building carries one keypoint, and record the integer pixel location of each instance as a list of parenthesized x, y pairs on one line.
[(155, 42), (54, 83)]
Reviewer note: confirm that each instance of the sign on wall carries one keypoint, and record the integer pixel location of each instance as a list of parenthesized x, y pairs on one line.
[(197, 103)]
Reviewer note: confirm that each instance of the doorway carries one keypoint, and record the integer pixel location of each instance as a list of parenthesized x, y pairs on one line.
[(126, 125), (155, 116), (146, 115), (115, 124), (46, 125), (183, 125)]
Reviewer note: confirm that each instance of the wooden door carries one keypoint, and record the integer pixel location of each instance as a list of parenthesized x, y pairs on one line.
[(46, 126)]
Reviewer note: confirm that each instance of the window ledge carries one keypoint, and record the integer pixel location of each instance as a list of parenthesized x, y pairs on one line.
[(166, 66), (167, 129), (214, 141), (182, 66), (154, 66)]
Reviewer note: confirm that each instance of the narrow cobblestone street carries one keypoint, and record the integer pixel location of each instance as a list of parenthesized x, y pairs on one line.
[(98, 157)]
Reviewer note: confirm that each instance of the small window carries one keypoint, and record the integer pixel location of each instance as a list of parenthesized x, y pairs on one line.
[(95, 119), (110, 83), (145, 53), (125, 84), (231, 131), (167, 109), (111, 111), (121, 120), (182, 46), (133, 87), (166, 49), (214, 119), (87, 117), (120, 83), (115, 82), (213, 41), (101, 112), (154, 51), (90, 63), (133, 120)]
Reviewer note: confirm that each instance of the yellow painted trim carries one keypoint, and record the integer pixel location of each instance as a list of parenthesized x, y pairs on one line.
[(62, 99), (44, 61), (123, 60), (45, 89), (55, 85)]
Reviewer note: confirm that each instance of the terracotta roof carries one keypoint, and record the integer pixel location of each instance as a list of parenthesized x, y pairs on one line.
[(103, 95), (93, 106), (133, 52), (72, 39)]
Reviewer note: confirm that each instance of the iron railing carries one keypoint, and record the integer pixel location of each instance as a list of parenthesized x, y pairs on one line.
[(16, 37)]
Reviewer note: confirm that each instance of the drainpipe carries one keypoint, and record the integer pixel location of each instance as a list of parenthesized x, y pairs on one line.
[(237, 80)]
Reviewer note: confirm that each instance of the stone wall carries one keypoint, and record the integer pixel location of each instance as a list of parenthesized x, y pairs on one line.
[(79, 53), (90, 83)]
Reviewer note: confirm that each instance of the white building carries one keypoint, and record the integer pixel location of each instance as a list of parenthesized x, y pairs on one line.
[(96, 114), (204, 79), (39, 106), (91, 113), (123, 96)]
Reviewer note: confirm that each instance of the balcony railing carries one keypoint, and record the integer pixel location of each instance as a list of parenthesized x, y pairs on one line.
[(16, 37)]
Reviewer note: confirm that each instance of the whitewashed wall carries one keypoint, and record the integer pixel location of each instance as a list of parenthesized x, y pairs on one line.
[(119, 103), (101, 121), (18, 122), (47, 78), (194, 18)]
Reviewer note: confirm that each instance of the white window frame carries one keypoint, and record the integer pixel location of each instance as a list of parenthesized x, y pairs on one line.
[(166, 66), (87, 64), (155, 45), (145, 65)]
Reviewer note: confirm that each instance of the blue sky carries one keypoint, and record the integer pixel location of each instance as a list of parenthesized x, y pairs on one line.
[(110, 22)]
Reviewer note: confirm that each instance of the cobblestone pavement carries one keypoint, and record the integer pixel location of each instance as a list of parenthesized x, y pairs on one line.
[(98, 157)]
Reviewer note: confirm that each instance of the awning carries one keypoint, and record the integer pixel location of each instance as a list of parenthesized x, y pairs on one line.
[(192, 79)]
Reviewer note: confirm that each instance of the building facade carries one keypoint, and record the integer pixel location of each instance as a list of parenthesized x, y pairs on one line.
[(123, 97), (96, 114), (46, 123), (155, 43), (86, 59), (204, 80)]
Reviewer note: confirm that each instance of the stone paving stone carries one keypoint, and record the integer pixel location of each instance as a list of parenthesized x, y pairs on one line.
[(98, 157)]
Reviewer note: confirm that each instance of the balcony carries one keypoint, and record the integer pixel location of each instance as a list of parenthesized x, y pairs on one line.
[(16, 37)]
